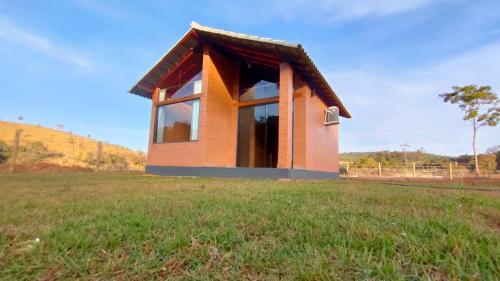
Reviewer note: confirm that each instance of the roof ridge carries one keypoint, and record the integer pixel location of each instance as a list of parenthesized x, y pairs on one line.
[(195, 25)]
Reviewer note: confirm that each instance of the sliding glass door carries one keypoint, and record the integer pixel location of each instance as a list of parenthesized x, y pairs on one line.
[(258, 136)]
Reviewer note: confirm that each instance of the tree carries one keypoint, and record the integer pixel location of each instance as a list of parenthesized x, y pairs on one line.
[(495, 150), (4, 151), (369, 162), (405, 146), (487, 162), (498, 160), (472, 100)]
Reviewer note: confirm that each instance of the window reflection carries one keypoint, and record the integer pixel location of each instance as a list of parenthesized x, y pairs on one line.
[(191, 87), (177, 122), (258, 82), (183, 81)]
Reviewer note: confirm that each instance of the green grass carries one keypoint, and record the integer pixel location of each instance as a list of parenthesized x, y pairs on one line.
[(130, 226)]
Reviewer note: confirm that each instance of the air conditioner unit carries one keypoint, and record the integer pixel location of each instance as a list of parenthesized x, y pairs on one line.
[(331, 116)]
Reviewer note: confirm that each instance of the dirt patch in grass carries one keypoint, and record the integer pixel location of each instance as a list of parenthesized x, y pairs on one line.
[(51, 274), (492, 217)]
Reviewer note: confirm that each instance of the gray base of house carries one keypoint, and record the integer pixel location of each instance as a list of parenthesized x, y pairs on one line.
[(252, 173)]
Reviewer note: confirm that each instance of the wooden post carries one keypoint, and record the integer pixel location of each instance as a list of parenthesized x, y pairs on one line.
[(17, 139), (379, 169), (347, 169), (451, 172), (414, 170), (99, 156)]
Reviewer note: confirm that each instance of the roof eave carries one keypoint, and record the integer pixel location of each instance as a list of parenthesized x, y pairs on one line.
[(133, 89)]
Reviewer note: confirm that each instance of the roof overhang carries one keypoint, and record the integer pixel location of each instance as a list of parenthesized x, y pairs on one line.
[(247, 47)]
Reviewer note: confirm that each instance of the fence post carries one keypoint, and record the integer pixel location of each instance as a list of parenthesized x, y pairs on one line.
[(17, 138), (379, 169), (414, 170), (347, 169), (451, 172), (99, 155)]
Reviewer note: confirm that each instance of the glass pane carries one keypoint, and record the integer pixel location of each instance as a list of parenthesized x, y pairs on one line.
[(197, 87), (185, 79), (272, 121), (162, 94), (191, 87), (258, 136), (195, 118), (161, 121), (177, 122), (262, 89), (257, 82)]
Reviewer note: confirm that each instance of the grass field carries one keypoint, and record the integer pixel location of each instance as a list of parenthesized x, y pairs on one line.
[(136, 227)]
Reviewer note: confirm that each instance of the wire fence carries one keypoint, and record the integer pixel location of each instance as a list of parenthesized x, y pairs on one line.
[(417, 170), (65, 151)]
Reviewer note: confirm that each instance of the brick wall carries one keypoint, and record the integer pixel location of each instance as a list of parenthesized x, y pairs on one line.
[(285, 116), (219, 146), (322, 141), (315, 145), (299, 128)]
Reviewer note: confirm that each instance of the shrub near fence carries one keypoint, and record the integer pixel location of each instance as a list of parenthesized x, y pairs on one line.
[(416, 170)]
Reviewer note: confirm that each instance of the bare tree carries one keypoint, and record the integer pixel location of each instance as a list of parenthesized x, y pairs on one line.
[(404, 147)]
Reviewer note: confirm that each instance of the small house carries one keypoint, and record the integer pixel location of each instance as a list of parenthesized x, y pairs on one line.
[(225, 104)]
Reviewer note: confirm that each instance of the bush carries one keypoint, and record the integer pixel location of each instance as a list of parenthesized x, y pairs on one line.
[(487, 162), (35, 152), (115, 162), (4, 152)]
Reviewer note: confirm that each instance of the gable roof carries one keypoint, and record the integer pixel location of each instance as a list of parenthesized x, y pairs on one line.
[(247, 46)]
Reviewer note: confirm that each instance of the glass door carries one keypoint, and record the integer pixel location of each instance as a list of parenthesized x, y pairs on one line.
[(258, 136)]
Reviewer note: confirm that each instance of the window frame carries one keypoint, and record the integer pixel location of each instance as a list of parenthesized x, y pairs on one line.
[(158, 104), (176, 100)]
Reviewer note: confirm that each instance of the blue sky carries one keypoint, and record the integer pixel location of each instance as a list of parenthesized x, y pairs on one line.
[(71, 62)]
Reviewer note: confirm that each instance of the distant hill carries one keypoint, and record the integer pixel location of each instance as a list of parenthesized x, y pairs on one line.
[(41, 144)]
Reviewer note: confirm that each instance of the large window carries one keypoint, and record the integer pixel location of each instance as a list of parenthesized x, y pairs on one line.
[(258, 82), (188, 88), (183, 81), (258, 136), (178, 102), (177, 122)]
